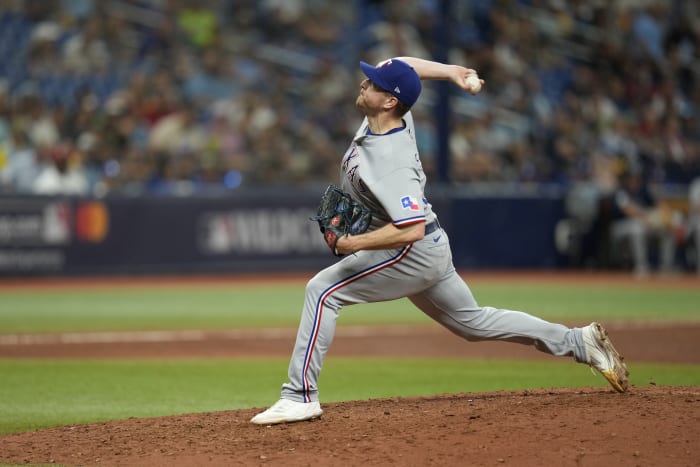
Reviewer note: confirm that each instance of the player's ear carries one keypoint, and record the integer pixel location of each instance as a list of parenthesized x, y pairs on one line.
[(391, 102)]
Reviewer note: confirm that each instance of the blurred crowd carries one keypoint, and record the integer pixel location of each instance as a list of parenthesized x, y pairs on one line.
[(175, 97)]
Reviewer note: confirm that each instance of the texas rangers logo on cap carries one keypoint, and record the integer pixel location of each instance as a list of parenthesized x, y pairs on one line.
[(396, 77), (410, 203)]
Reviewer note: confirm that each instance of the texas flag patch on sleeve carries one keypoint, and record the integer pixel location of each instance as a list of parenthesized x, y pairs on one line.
[(410, 203)]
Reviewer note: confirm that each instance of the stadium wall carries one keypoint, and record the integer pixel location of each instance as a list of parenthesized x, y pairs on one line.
[(248, 232)]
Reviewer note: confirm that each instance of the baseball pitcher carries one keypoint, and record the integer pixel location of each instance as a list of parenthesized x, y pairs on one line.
[(400, 250)]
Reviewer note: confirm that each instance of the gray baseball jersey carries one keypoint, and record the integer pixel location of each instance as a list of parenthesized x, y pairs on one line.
[(385, 173)]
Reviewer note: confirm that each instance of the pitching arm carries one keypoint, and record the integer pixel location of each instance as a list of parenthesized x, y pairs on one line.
[(429, 70)]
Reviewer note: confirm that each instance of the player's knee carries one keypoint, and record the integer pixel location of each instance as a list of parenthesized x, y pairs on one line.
[(316, 285), (311, 286)]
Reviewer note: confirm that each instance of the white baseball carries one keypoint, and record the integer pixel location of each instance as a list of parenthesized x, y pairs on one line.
[(474, 83)]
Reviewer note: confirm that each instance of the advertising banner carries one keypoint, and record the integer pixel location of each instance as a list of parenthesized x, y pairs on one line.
[(243, 233), (157, 235)]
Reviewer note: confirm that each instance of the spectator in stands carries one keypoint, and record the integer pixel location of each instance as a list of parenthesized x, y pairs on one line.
[(198, 21), (641, 218), (4, 114), (22, 166), (87, 51), (694, 219), (648, 26), (395, 36), (43, 56), (546, 110), (178, 132), (211, 80), (62, 174)]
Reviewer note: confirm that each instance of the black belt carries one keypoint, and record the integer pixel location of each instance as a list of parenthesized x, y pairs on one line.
[(432, 227)]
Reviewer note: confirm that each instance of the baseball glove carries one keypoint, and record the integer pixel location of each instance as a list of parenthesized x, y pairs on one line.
[(339, 215)]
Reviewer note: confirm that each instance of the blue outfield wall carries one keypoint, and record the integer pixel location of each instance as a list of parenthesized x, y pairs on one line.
[(505, 233), (245, 232)]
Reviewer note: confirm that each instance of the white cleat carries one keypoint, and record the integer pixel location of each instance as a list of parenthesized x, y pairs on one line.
[(286, 411), (601, 355)]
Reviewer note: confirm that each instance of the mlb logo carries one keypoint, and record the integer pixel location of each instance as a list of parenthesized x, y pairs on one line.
[(410, 203)]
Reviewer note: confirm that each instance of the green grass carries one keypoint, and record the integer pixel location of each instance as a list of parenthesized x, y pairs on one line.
[(186, 306), (43, 393), (197, 306), (587, 301)]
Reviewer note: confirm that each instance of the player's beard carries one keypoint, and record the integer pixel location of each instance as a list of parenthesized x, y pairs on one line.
[(363, 103), (360, 102)]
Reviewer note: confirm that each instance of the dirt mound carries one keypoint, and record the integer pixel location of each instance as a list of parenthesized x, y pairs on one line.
[(590, 427)]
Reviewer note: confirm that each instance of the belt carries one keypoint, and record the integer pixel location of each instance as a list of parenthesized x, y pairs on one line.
[(432, 227)]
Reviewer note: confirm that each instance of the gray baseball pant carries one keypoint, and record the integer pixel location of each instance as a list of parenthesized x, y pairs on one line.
[(424, 273)]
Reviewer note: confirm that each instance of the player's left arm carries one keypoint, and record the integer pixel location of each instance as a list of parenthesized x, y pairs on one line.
[(387, 237), (400, 195)]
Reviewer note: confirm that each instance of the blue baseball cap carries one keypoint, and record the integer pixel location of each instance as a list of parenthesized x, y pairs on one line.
[(397, 77)]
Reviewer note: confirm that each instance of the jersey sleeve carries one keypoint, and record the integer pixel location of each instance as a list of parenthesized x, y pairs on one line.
[(400, 194)]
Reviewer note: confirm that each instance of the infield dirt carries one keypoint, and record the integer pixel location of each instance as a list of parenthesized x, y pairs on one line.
[(649, 426)]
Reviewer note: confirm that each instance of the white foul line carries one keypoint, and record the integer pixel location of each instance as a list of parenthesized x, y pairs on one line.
[(198, 335)]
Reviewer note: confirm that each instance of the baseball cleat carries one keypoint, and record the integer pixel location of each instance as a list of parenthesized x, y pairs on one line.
[(601, 355), (286, 411)]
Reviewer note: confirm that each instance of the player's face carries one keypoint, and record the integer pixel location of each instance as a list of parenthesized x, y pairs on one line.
[(371, 96)]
